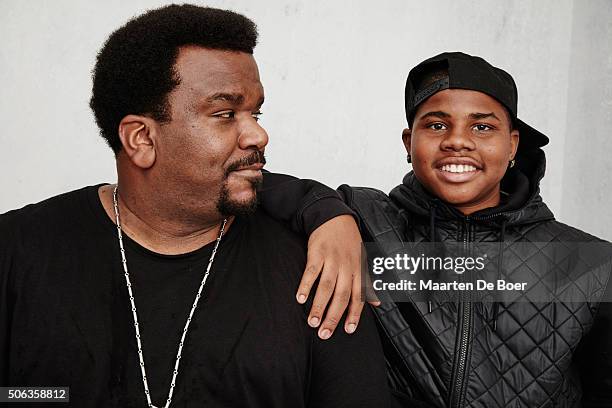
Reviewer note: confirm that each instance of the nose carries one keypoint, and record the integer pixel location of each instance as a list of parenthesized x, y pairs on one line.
[(457, 140), (252, 135)]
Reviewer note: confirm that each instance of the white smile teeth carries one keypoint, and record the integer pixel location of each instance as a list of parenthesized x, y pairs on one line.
[(458, 168)]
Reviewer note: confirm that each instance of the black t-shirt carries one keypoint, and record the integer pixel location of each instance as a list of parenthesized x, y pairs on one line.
[(65, 317)]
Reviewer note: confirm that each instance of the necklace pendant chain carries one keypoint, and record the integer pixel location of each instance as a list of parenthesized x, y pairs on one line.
[(135, 315)]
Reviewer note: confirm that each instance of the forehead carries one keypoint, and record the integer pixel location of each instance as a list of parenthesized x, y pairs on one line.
[(461, 101), (205, 71)]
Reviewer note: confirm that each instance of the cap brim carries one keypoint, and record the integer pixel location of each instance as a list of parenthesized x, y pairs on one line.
[(530, 138)]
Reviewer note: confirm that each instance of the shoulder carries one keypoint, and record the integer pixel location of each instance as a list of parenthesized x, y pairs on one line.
[(380, 217), (362, 194), (367, 201), (556, 231), (261, 223), (275, 253), (589, 256), (43, 219), (45, 209), (269, 236)]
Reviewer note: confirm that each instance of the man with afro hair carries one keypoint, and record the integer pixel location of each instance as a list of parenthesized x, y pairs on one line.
[(169, 287)]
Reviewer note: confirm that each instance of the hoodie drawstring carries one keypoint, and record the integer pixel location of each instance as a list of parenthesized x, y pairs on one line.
[(432, 238), (500, 263), (432, 223)]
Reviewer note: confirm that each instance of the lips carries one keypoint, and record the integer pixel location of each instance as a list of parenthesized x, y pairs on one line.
[(249, 166), (458, 169), (252, 171), (253, 167)]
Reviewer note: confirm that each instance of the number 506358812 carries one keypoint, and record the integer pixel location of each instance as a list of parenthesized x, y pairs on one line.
[(55, 394)]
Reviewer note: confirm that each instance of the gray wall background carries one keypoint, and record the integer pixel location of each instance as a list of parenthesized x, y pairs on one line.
[(334, 73)]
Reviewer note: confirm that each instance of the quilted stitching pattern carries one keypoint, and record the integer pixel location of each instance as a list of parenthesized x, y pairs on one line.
[(527, 361)]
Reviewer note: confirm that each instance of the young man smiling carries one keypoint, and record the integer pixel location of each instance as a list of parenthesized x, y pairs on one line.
[(462, 171), (475, 177)]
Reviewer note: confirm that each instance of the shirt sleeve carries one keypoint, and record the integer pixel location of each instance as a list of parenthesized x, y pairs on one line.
[(302, 204), (349, 370)]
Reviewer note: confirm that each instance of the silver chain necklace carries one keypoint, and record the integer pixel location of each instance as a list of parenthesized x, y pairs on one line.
[(191, 312)]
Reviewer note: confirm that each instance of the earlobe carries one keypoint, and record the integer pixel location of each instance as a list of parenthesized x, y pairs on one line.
[(137, 137), (407, 139), (514, 142)]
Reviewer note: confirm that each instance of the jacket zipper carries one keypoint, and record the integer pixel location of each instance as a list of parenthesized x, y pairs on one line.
[(457, 393), (486, 217), (466, 326)]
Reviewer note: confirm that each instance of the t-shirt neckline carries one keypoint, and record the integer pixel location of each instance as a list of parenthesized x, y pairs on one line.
[(100, 213)]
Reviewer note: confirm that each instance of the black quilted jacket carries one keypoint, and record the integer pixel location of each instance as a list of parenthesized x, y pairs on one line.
[(466, 354)]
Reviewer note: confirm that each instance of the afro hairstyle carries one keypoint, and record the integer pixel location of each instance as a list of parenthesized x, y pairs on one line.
[(134, 71)]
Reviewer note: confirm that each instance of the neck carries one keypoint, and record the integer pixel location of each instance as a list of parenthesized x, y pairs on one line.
[(160, 231), (491, 200)]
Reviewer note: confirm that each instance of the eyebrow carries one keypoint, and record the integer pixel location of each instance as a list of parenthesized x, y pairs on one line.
[(233, 98), (479, 115), (436, 114), (474, 116)]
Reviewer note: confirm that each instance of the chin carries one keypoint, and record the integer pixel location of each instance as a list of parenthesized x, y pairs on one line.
[(457, 201), (456, 196), (242, 203)]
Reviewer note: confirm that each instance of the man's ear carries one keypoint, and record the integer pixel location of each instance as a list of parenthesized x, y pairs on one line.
[(138, 135), (514, 142), (407, 139)]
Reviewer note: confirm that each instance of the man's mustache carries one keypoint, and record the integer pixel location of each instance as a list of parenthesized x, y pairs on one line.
[(254, 158)]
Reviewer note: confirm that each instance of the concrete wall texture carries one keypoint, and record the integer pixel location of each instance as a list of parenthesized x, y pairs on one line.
[(334, 75)]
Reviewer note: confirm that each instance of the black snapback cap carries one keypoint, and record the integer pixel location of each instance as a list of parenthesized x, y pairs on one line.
[(456, 70)]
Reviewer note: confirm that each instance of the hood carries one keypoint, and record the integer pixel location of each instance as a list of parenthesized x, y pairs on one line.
[(521, 186)]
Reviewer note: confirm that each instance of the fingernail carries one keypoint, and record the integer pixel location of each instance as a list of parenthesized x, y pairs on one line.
[(325, 334), (301, 298), (314, 321), (350, 329)]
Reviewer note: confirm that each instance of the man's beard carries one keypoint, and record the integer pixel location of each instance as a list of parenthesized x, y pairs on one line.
[(225, 205)]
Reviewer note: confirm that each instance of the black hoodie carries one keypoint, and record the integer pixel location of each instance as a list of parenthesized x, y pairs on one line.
[(465, 354)]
